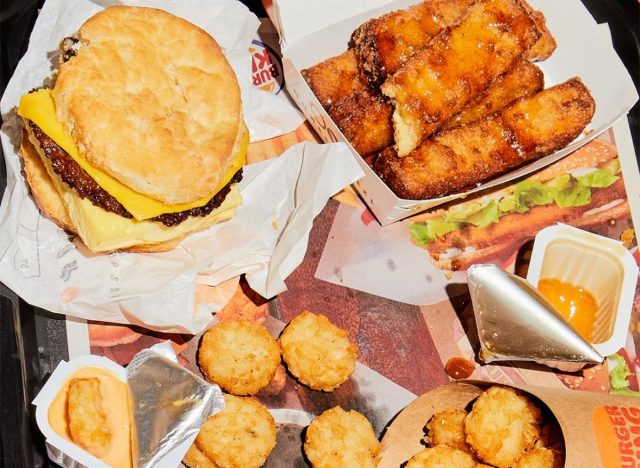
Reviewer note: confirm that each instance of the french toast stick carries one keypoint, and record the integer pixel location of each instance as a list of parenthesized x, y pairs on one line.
[(335, 78), (523, 79), (459, 64), (365, 117), (464, 156), (384, 44)]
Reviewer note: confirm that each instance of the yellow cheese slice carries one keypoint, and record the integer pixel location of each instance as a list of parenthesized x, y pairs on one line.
[(40, 109), (103, 231)]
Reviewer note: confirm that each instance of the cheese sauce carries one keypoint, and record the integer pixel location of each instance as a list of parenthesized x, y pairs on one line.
[(115, 403), (574, 303)]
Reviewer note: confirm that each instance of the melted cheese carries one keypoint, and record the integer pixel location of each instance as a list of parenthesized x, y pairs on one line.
[(115, 403), (40, 109), (103, 231)]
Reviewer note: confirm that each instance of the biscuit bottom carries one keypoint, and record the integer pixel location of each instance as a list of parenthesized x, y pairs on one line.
[(100, 230)]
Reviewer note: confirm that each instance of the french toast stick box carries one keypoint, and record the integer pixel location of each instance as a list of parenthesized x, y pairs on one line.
[(311, 32)]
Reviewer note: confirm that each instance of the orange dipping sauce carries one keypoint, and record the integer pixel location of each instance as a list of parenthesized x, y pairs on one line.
[(574, 303)]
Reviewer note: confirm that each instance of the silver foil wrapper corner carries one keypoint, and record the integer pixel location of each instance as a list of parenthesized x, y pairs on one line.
[(168, 404), (516, 323)]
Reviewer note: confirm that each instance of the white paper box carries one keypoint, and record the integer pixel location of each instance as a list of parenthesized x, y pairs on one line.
[(582, 51)]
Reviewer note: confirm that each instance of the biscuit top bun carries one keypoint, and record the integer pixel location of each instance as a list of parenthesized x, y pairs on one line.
[(150, 99)]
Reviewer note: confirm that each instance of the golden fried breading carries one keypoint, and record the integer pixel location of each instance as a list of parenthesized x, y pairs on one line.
[(341, 438), (523, 79), (239, 355), (87, 420), (458, 64), (461, 157), (335, 78), (365, 120), (384, 44), (365, 117), (242, 435), (502, 426), (441, 456), (194, 458), (316, 352), (564, 111), (539, 458), (447, 428), (546, 44)]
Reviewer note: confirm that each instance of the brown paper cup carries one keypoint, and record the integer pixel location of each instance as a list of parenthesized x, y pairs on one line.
[(599, 429)]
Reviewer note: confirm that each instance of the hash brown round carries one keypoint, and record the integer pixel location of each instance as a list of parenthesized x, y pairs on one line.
[(242, 435), (341, 438), (441, 456), (194, 458), (316, 352), (539, 457), (447, 428), (502, 426), (240, 356)]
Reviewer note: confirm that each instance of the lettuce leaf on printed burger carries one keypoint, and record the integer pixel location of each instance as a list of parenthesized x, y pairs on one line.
[(583, 189)]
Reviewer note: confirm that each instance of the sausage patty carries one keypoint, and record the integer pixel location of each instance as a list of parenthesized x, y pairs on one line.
[(77, 179)]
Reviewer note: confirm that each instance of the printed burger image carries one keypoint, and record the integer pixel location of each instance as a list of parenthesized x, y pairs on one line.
[(585, 190)]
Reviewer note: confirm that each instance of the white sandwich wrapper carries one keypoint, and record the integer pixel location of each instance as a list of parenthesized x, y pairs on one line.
[(582, 51), (600, 265), (64, 452)]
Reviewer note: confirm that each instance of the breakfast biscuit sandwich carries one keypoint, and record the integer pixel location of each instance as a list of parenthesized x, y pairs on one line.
[(141, 140)]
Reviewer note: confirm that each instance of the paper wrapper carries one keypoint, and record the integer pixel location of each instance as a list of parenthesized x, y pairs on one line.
[(598, 429), (266, 239)]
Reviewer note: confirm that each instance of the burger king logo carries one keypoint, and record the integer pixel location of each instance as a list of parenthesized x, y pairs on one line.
[(617, 431), (266, 68)]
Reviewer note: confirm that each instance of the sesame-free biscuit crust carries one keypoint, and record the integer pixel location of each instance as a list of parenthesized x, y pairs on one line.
[(151, 99)]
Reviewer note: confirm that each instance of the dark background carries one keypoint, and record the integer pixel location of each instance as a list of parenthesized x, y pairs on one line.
[(32, 341)]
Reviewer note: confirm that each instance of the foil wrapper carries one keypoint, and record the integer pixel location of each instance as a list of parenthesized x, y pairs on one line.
[(169, 404), (516, 323)]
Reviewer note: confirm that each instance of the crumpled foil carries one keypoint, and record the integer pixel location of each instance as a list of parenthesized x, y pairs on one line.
[(169, 404), (516, 323)]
